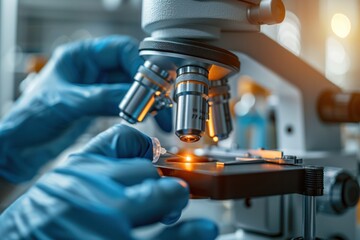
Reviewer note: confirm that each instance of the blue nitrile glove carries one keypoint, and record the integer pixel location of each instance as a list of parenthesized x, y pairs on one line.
[(100, 193), (82, 80)]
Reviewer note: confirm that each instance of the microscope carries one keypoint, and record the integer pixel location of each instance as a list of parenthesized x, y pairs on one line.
[(195, 48)]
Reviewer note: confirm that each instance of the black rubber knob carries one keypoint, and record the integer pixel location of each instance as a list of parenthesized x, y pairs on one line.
[(350, 193), (341, 192), (345, 192)]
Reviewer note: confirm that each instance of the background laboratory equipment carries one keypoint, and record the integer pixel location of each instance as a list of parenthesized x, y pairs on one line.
[(251, 117)]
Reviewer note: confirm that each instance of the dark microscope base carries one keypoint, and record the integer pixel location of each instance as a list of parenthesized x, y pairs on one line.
[(219, 181)]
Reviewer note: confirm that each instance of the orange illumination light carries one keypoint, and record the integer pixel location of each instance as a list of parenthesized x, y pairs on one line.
[(188, 158), (215, 139), (188, 166)]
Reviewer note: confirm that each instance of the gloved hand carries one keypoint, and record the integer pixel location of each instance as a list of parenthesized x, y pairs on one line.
[(100, 193), (82, 80)]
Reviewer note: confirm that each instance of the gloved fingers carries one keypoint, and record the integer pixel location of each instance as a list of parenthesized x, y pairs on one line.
[(199, 229), (155, 200), (127, 172), (97, 55), (77, 204), (164, 119), (121, 141), (98, 99), (82, 100)]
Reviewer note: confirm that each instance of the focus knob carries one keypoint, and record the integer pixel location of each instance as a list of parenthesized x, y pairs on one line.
[(341, 192)]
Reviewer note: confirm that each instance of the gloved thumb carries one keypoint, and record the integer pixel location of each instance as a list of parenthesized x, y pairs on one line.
[(200, 229), (121, 141)]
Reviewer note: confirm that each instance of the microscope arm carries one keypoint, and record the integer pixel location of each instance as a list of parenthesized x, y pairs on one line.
[(261, 55)]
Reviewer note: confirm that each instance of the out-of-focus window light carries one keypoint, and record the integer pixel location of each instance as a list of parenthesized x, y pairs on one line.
[(337, 60), (289, 33), (341, 25)]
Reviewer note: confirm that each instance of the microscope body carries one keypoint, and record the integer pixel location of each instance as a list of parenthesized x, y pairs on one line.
[(195, 47), (198, 71)]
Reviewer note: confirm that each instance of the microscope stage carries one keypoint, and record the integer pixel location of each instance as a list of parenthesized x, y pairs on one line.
[(219, 180)]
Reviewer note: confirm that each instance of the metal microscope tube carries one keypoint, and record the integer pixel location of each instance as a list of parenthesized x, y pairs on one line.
[(219, 124), (191, 95), (150, 82)]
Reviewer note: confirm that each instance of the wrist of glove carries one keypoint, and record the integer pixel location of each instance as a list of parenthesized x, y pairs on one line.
[(103, 192)]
